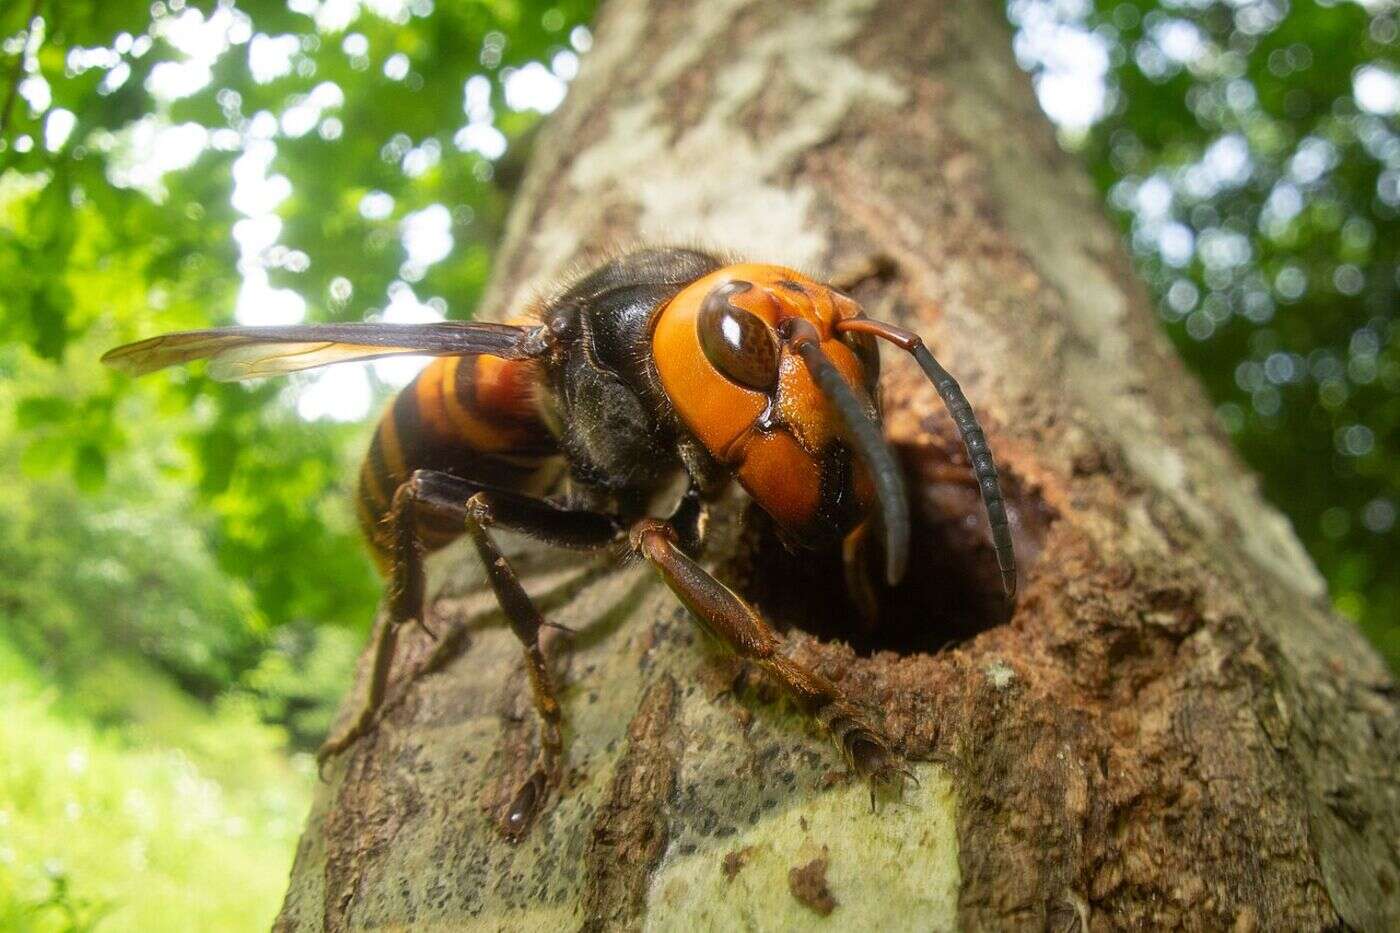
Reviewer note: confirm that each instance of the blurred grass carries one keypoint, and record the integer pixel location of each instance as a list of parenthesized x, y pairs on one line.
[(183, 817)]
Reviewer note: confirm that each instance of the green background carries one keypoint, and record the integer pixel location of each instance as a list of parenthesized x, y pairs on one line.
[(182, 588)]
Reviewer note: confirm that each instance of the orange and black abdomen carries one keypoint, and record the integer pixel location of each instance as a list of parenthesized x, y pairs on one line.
[(471, 416)]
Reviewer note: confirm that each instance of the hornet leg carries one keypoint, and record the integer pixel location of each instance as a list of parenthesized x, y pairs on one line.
[(732, 621), (405, 597), (439, 499), (558, 526)]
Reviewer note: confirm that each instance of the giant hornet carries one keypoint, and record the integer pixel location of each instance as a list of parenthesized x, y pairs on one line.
[(659, 363)]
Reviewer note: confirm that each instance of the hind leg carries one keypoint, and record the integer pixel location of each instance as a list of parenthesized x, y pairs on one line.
[(405, 597)]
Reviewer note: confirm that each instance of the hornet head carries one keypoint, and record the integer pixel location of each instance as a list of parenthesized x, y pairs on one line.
[(753, 361)]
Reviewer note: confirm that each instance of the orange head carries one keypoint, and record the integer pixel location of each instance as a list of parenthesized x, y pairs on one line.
[(751, 359)]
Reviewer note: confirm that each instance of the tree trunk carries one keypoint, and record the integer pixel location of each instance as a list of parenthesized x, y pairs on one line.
[(1172, 730)]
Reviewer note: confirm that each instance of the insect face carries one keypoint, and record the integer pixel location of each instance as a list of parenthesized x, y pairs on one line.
[(728, 350)]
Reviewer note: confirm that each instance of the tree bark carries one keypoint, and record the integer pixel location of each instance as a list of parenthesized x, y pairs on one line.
[(1172, 730)]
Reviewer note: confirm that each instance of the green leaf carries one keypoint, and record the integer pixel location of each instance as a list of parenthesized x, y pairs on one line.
[(36, 411)]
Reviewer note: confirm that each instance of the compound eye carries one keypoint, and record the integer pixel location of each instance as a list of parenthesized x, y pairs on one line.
[(739, 344)]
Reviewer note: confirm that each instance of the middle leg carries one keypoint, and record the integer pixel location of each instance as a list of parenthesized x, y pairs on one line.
[(554, 525), (444, 500)]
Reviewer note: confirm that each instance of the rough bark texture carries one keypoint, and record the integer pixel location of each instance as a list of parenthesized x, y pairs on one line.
[(1173, 730)]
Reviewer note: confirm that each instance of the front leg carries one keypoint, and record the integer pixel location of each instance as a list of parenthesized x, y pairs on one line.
[(742, 630)]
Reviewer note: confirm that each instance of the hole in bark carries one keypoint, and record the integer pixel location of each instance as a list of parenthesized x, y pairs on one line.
[(951, 592)]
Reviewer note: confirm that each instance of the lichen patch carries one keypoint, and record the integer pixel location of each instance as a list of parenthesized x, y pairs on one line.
[(887, 873)]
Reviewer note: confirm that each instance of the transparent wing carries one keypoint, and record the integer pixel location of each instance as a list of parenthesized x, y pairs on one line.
[(251, 352)]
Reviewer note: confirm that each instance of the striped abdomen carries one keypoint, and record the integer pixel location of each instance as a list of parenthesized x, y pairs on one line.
[(471, 416)]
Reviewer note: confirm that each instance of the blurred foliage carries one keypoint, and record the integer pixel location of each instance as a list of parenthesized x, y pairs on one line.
[(87, 565), (143, 137), (128, 566), (168, 165), (1251, 150)]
